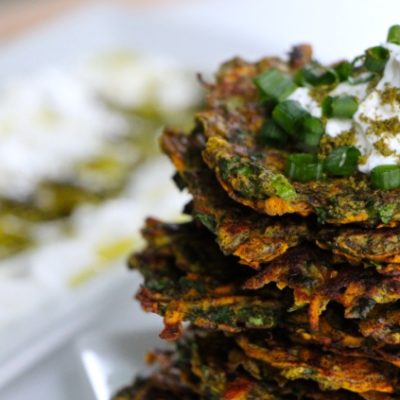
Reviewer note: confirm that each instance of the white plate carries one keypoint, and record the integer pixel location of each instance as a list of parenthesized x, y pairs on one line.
[(60, 375), (200, 35), (112, 358)]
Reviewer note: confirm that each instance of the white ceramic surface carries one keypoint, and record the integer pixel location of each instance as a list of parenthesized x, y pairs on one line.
[(113, 357), (40, 359)]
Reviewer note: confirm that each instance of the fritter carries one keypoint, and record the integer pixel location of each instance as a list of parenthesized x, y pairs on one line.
[(317, 283), (258, 239), (253, 174), (337, 334), (383, 325), (331, 371), (188, 279), (218, 362), (181, 290), (379, 246), (239, 231), (213, 366)]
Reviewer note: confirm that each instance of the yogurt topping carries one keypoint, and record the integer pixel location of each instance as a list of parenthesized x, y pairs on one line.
[(48, 123), (57, 118), (376, 124)]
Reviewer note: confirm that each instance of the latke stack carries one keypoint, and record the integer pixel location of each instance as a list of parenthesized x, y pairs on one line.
[(291, 288)]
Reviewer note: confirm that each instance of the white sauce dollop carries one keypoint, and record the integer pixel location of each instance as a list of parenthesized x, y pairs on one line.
[(48, 124), (55, 119), (370, 109), (336, 126)]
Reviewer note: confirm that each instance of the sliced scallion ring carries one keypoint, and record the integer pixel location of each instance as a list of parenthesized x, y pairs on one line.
[(385, 177), (303, 167), (376, 58), (274, 85), (394, 34), (342, 161), (310, 135), (316, 75), (289, 116), (343, 70), (358, 62), (340, 106), (272, 134)]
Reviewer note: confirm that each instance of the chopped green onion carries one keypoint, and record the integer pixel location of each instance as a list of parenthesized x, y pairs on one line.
[(327, 106), (358, 62), (289, 116), (376, 58), (343, 70), (316, 75), (386, 177), (394, 34), (308, 141), (275, 85), (340, 106), (303, 167), (313, 124), (272, 135), (299, 78), (310, 134), (360, 76), (342, 161)]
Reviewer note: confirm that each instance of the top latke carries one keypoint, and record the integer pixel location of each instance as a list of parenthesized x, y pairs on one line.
[(253, 174)]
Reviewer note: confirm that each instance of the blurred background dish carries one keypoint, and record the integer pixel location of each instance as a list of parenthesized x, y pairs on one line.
[(84, 95), (71, 143), (80, 170)]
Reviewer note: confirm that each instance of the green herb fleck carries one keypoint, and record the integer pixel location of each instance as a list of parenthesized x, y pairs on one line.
[(386, 212), (283, 188), (256, 321), (208, 221)]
